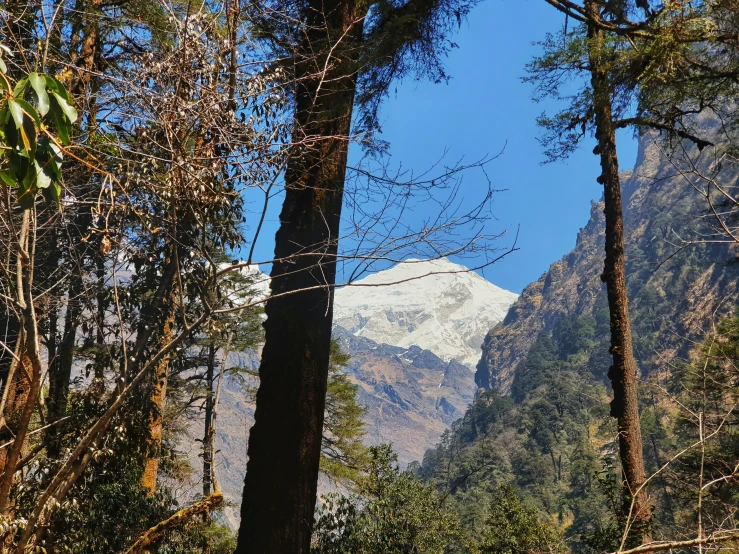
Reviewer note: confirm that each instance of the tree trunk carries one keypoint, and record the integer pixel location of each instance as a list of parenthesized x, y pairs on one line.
[(208, 431), (157, 401), (30, 366), (285, 442), (18, 36), (12, 377), (60, 370), (623, 373), (82, 87)]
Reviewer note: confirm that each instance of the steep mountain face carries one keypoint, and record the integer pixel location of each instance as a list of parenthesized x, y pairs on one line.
[(674, 287), (435, 305), (411, 394)]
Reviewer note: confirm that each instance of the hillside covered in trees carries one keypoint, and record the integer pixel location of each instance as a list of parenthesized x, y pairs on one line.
[(678, 284), (148, 149)]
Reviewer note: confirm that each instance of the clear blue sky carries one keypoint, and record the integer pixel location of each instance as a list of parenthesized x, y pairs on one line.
[(482, 109)]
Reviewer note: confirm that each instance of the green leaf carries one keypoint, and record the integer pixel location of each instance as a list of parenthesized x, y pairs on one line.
[(6, 178), (58, 87), (25, 139), (56, 153), (51, 83), (49, 157), (52, 193), (16, 112), (27, 192), (30, 110), (20, 88), (63, 127), (66, 107), (28, 134), (39, 86), (11, 137), (42, 179), (3, 67)]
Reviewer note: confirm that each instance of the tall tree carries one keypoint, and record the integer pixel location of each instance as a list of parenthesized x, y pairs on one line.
[(348, 52), (624, 372), (589, 52), (285, 441)]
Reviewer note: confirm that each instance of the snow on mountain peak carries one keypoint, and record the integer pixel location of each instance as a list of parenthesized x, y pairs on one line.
[(436, 305)]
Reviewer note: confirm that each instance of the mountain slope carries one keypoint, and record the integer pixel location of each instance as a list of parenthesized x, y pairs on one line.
[(673, 289), (436, 305), (411, 394)]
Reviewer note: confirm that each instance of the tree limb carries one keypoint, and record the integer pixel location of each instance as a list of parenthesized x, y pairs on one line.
[(179, 517)]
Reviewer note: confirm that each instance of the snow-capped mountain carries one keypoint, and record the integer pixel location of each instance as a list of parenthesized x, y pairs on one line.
[(413, 332), (436, 305)]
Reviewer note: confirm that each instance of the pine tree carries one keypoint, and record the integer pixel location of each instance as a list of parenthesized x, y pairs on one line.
[(591, 53)]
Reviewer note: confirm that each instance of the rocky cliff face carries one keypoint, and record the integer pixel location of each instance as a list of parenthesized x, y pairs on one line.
[(411, 394), (674, 287)]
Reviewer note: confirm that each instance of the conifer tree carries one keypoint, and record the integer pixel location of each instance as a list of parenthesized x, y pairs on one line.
[(591, 53)]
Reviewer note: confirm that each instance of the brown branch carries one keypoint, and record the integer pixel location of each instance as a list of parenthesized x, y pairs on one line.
[(76, 463), (660, 546), (641, 122), (179, 517)]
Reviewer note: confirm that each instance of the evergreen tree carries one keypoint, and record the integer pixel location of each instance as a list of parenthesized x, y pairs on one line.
[(592, 51), (393, 513)]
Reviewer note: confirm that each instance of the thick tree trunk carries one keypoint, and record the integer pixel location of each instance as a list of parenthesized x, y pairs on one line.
[(285, 442), (623, 373)]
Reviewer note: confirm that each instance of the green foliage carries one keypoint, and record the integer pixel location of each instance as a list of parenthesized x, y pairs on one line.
[(513, 528), (219, 539), (343, 454), (31, 154), (544, 442), (706, 430), (93, 521), (394, 512)]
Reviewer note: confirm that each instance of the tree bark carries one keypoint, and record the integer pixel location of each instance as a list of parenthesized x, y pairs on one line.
[(157, 400), (285, 441), (60, 369), (623, 373), (178, 518), (209, 431), (30, 365)]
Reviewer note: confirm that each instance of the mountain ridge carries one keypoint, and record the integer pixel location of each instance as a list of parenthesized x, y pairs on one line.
[(436, 305), (412, 394), (674, 289)]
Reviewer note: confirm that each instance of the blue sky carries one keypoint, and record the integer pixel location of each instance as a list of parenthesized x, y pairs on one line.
[(484, 108)]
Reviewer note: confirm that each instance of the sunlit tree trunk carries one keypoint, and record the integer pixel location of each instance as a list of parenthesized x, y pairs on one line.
[(158, 399), (623, 373)]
